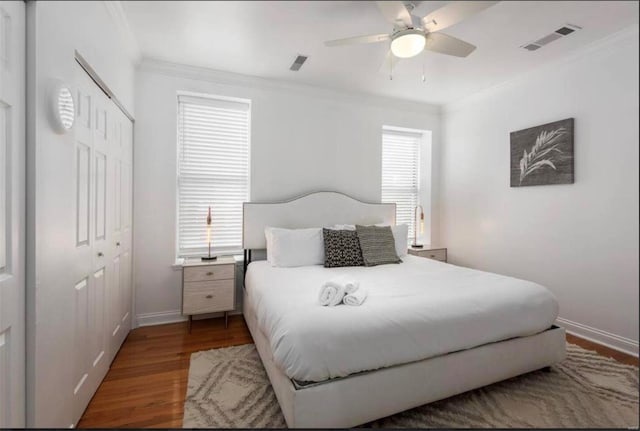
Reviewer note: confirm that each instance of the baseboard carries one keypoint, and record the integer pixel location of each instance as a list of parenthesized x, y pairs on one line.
[(616, 342), (160, 318), (173, 316)]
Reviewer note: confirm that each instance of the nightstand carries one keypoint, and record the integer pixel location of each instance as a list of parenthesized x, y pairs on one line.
[(208, 287), (430, 252)]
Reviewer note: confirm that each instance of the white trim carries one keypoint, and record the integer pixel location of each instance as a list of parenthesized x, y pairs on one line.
[(228, 78), (119, 17), (200, 95), (220, 108), (160, 318), (602, 46), (420, 132), (616, 342)]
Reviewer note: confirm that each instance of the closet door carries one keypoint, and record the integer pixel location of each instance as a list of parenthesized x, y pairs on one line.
[(120, 283), (101, 270), (83, 274), (126, 215), (82, 251), (90, 254), (12, 214)]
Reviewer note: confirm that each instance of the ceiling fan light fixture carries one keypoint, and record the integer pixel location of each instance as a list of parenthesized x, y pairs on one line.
[(408, 43)]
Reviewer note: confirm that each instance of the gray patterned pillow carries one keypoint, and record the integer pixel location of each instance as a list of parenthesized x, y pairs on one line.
[(377, 244), (341, 248)]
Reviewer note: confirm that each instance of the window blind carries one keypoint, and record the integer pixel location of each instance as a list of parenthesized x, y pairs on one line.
[(401, 173), (213, 171)]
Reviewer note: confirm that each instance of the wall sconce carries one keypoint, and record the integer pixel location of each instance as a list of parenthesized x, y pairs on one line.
[(62, 107)]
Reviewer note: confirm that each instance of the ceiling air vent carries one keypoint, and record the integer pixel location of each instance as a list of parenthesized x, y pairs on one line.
[(297, 64), (559, 33)]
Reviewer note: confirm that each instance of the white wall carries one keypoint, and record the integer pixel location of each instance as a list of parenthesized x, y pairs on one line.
[(55, 30), (302, 139), (580, 240)]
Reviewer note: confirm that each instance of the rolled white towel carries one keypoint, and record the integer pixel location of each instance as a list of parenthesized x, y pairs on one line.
[(331, 294), (351, 286), (355, 298)]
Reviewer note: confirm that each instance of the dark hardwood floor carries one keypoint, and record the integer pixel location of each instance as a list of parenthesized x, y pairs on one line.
[(147, 382), (603, 350)]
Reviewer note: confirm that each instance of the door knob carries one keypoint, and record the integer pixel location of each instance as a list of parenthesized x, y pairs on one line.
[(100, 254)]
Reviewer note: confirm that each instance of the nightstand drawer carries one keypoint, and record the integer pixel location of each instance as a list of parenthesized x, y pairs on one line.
[(208, 273), (208, 296), (439, 254)]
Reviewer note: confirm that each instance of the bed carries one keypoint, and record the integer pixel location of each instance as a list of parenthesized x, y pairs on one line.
[(428, 330)]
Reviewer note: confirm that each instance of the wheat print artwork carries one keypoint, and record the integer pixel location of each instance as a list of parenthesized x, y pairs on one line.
[(543, 154)]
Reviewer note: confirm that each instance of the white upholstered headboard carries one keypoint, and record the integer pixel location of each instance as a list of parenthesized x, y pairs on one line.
[(313, 210)]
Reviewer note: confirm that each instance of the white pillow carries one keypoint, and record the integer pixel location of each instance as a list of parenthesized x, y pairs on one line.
[(343, 227), (294, 247), (400, 235)]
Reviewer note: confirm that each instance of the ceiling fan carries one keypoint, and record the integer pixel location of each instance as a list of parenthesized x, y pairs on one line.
[(411, 34)]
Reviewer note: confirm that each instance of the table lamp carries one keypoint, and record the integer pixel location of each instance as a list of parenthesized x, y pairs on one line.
[(415, 230), (209, 257)]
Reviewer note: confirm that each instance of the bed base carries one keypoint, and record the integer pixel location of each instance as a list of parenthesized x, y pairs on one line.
[(365, 397)]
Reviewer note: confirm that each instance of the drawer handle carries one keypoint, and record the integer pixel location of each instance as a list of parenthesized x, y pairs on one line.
[(209, 273), (100, 254), (433, 255), (209, 296), (118, 244)]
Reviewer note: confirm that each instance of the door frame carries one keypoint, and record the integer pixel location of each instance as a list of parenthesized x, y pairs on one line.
[(13, 103)]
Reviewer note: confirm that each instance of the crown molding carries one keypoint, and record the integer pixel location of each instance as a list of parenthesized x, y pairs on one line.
[(119, 17), (151, 65), (601, 47)]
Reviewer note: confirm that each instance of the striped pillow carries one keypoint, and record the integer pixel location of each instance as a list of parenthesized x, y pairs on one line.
[(377, 244)]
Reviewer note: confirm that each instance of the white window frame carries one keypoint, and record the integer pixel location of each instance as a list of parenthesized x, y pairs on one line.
[(205, 96), (420, 136)]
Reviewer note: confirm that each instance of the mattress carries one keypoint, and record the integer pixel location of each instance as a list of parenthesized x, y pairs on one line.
[(415, 310)]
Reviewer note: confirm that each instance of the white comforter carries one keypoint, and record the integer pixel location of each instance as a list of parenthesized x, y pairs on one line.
[(415, 310)]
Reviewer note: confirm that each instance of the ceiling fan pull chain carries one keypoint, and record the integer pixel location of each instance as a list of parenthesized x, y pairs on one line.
[(423, 55), (390, 63)]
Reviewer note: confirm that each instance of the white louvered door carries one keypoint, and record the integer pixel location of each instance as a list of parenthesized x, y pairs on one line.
[(12, 214)]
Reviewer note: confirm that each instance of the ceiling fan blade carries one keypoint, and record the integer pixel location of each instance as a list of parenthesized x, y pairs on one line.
[(372, 38), (445, 44), (453, 13), (395, 12)]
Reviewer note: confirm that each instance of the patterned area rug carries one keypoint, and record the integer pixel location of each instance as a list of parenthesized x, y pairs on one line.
[(229, 388)]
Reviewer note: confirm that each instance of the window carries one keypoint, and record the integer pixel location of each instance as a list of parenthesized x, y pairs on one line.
[(213, 171), (401, 173)]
